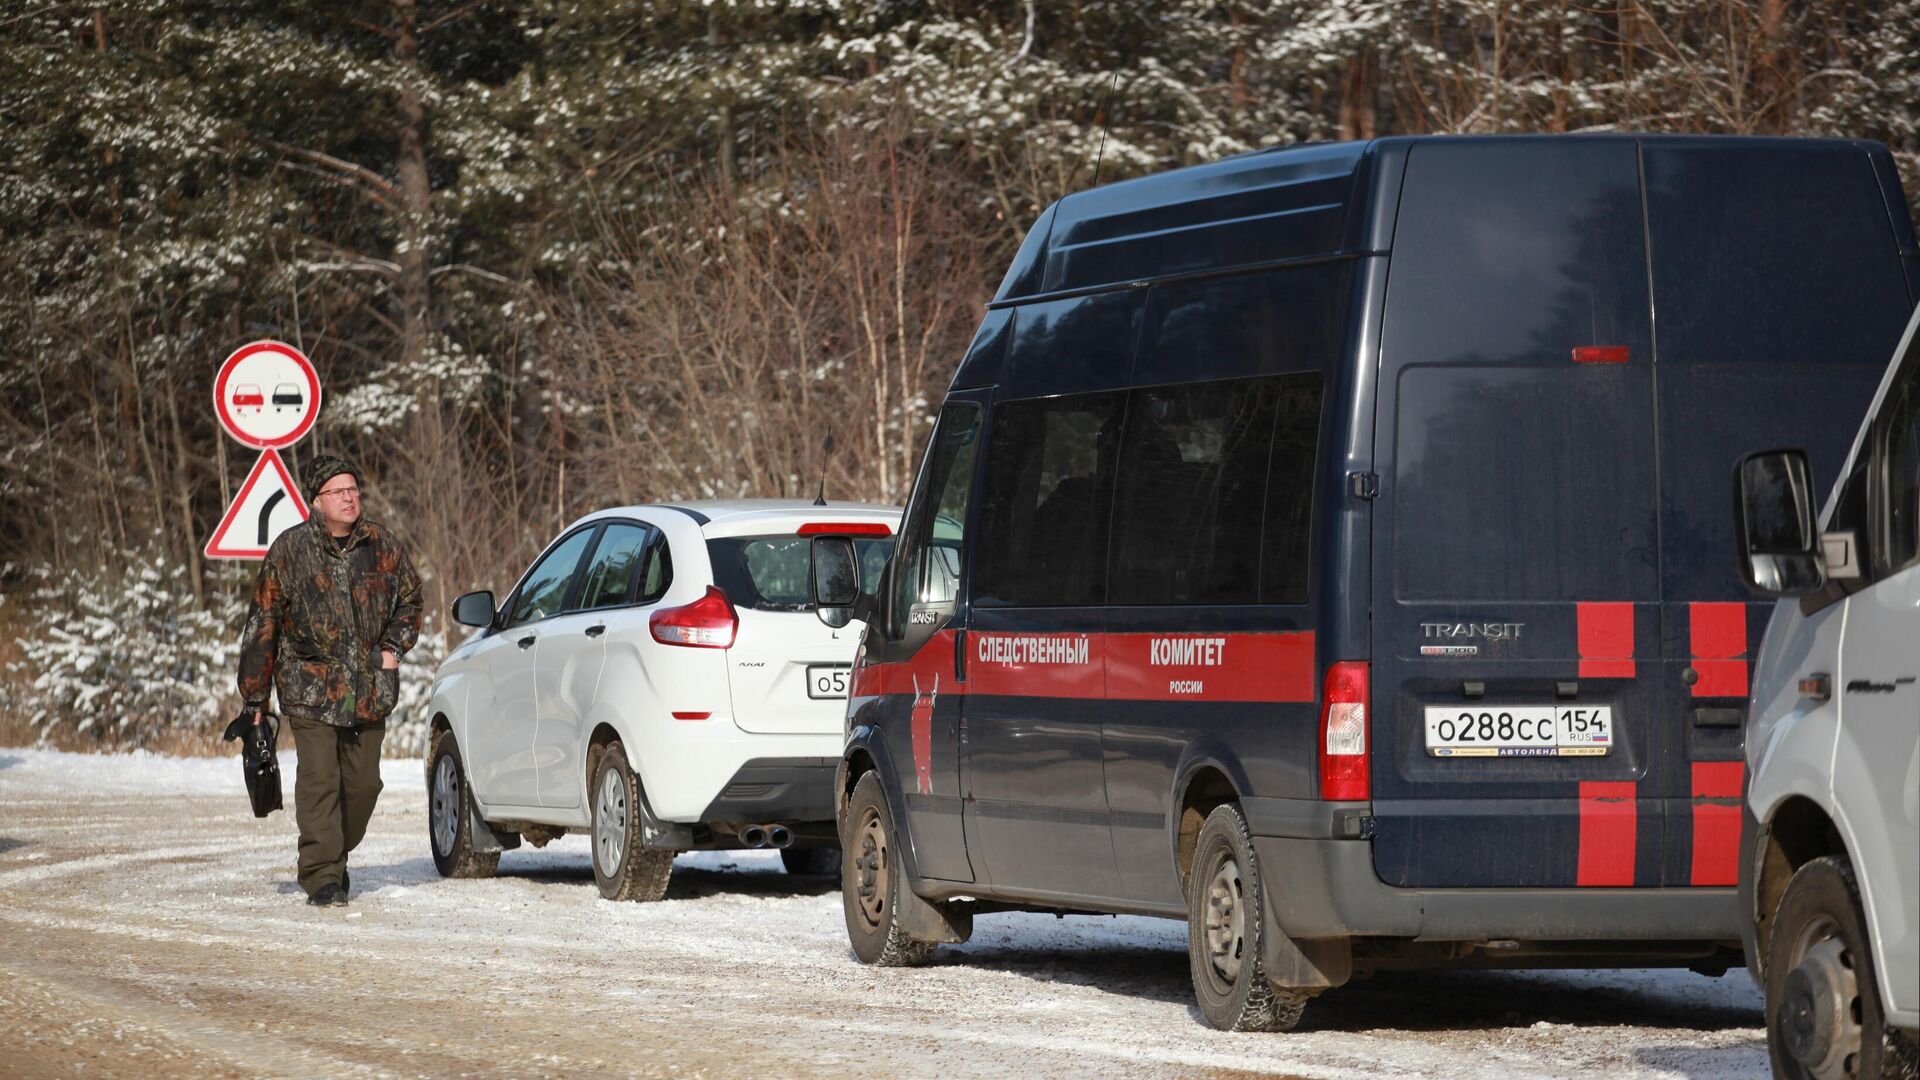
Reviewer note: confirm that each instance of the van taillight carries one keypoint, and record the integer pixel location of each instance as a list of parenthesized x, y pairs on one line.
[(1344, 773), (707, 623), (1601, 354)]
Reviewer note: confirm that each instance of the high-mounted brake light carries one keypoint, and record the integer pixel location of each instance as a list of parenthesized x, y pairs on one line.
[(707, 623), (1344, 772), (846, 528), (1600, 354)]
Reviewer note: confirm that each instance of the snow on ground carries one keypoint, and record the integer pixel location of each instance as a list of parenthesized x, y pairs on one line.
[(140, 899)]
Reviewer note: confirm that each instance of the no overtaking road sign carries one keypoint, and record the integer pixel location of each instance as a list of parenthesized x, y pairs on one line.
[(267, 396)]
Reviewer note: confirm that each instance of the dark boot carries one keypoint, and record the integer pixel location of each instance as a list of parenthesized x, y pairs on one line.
[(328, 895)]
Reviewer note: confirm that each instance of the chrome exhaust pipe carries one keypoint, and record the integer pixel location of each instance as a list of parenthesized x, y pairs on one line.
[(779, 836), (754, 836)]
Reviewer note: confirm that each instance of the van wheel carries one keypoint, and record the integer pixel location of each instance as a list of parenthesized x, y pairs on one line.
[(1824, 1017), (623, 867), (870, 882), (1224, 928), (450, 816)]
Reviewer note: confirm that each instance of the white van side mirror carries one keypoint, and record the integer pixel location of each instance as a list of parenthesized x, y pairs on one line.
[(1782, 551)]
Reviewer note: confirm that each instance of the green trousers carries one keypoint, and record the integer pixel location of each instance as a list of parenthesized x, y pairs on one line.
[(335, 787)]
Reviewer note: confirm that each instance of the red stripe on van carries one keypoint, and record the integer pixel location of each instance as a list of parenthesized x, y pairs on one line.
[(1719, 646), (1210, 667), (935, 658), (921, 719), (1048, 664), (1608, 827), (1716, 821), (1120, 667), (1605, 635)]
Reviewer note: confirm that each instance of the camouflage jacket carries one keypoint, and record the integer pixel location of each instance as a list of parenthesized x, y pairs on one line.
[(320, 617)]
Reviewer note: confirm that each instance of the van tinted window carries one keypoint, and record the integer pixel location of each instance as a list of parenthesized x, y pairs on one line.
[(1731, 229), (1524, 483), (1900, 455), (1192, 491), (1284, 560), (1048, 493), (1511, 250)]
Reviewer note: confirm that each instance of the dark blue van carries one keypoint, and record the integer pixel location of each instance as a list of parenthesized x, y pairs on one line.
[(1329, 546)]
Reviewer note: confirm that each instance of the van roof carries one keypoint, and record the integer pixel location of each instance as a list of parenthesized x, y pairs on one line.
[(1283, 205)]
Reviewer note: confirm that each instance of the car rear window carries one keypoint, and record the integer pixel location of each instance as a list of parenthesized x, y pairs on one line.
[(769, 573)]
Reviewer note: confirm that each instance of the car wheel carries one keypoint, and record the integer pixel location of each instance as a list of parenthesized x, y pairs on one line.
[(1224, 928), (450, 816), (623, 867), (811, 861), (871, 880), (1824, 1018)]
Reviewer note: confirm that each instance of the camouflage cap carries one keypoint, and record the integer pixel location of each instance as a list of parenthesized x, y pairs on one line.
[(323, 468)]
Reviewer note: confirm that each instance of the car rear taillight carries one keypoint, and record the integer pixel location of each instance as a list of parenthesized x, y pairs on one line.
[(707, 623), (1344, 773), (846, 528)]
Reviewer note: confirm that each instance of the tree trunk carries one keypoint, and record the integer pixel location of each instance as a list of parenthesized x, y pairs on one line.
[(183, 492), (412, 168), (725, 135), (1777, 104), (1359, 114)]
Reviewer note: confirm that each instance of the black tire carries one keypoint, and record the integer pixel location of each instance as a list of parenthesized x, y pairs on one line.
[(1824, 1015), (623, 867), (811, 861), (871, 882), (448, 796), (1224, 932)]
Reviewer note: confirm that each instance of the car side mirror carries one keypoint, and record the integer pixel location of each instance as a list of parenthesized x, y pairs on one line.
[(836, 579), (1781, 553), (474, 609)]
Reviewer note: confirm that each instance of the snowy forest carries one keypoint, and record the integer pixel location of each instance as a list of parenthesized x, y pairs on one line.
[(554, 255)]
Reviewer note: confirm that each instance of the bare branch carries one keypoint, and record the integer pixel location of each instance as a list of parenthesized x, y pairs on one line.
[(349, 173)]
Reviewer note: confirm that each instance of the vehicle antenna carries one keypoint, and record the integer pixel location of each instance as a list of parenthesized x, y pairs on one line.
[(821, 499), (1106, 123)]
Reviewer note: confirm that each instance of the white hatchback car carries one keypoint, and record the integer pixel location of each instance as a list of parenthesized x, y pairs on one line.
[(657, 677)]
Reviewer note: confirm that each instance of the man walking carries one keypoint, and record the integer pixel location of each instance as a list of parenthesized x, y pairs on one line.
[(336, 605)]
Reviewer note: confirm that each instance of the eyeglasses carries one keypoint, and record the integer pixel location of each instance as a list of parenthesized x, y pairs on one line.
[(353, 492)]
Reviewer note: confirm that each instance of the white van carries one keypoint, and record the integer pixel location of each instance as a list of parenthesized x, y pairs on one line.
[(1830, 843)]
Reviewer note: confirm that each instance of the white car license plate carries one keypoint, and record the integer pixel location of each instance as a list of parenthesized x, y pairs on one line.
[(1519, 730), (828, 680)]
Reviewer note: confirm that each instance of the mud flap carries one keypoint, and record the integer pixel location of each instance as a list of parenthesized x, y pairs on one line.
[(654, 833), (482, 837), (1301, 964), (938, 924)]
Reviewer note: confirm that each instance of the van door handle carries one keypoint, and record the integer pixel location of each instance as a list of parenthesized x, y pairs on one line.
[(596, 630), (527, 642), (1704, 716)]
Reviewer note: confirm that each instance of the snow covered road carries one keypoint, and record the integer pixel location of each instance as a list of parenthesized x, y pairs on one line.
[(150, 925)]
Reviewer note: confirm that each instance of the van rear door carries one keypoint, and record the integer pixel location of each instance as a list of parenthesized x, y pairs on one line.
[(1515, 548), (1779, 289)]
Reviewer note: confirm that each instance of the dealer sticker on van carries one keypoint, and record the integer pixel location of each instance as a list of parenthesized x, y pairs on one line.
[(1520, 731)]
